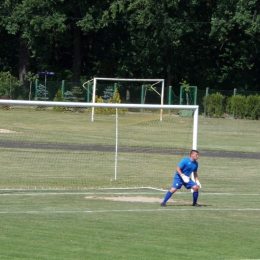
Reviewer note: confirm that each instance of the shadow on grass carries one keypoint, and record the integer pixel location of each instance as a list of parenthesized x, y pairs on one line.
[(186, 205)]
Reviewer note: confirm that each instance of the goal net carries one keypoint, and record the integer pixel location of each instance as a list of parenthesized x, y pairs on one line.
[(134, 91), (55, 145)]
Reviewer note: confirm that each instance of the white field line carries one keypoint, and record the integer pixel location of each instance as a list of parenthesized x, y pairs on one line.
[(117, 193), (119, 211)]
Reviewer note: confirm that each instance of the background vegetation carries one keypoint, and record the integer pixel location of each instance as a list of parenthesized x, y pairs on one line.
[(208, 43)]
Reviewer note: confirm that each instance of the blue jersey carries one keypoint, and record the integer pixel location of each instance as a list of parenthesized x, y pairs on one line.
[(187, 167)]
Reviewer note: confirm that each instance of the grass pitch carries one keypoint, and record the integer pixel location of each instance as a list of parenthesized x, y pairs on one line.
[(63, 224), (67, 226)]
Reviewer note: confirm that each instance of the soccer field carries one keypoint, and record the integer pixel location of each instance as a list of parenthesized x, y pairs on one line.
[(72, 223), (115, 225)]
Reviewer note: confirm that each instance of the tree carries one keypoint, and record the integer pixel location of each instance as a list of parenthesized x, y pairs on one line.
[(31, 78), (235, 37), (164, 38), (8, 84)]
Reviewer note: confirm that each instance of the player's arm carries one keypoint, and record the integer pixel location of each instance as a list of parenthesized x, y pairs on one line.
[(196, 178), (185, 178), (179, 171)]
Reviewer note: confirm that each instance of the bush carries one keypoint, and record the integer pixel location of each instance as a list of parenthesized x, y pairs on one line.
[(106, 110), (9, 85), (252, 109), (237, 106), (213, 105), (58, 98)]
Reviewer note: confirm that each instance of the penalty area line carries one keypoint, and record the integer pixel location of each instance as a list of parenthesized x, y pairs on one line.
[(119, 211)]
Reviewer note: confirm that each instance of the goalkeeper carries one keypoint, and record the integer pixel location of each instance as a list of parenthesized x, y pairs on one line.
[(182, 177)]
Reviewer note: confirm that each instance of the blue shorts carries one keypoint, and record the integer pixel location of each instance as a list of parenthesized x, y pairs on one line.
[(178, 182)]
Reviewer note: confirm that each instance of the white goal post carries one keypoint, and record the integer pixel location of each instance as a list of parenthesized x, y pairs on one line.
[(126, 80), (142, 145)]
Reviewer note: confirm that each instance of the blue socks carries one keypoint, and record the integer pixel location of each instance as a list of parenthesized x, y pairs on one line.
[(195, 197), (167, 196)]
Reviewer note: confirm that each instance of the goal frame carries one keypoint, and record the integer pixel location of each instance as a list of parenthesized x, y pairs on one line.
[(195, 108), (124, 79), (116, 106)]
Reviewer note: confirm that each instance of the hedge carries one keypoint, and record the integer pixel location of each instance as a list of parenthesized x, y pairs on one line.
[(239, 106)]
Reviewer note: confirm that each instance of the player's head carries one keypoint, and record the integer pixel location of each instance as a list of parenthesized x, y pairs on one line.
[(194, 154)]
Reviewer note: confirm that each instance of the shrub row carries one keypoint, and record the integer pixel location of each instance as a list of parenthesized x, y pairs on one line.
[(239, 106)]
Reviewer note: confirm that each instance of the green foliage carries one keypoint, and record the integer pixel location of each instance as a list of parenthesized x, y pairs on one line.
[(214, 105), (108, 94), (238, 106), (186, 89), (58, 98), (31, 77), (42, 93), (185, 85), (8, 84), (208, 43), (68, 96), (115, 99), (252, 110), (76, 95)]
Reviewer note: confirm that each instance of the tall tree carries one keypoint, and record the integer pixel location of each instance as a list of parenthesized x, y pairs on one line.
[(165, 38), (235, 38)]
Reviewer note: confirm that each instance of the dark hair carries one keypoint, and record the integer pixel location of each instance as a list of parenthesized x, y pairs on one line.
[(194, 151)]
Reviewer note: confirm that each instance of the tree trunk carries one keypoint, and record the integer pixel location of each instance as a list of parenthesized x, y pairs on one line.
[(24, 60), (76, 55), (168, 56)]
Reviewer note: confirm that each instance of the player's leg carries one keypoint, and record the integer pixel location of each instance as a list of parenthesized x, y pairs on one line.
[(195, 195), (177, 183), (192, 185), (167, 196)]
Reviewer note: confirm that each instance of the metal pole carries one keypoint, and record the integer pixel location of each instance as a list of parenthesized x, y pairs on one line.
[(36, 90), (195, 96), (170, 95), (162, 97), (116, 146), (62, 88), (45, 84), (93, 98), (234, 94), (88, 93), (181, 95), (195, 128), (205, 107), (142, 94)]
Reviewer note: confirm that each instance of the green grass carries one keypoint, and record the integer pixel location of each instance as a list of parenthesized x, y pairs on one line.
[(60, 226), (232, 135), (63, 224)]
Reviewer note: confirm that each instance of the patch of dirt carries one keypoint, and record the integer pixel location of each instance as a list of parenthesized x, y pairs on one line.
[(6, 131), (129, 199)]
